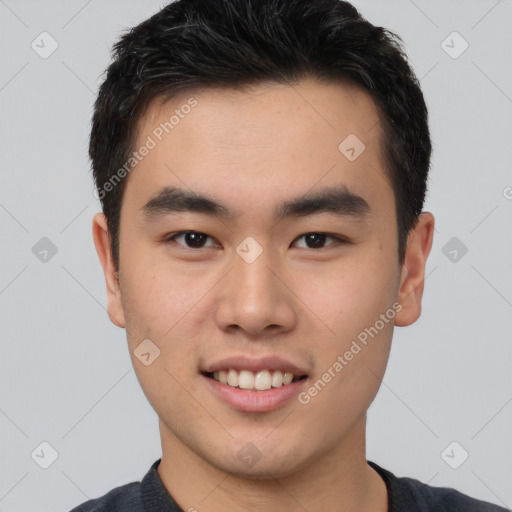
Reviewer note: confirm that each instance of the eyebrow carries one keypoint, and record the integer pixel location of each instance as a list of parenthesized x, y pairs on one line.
[(335, 199)]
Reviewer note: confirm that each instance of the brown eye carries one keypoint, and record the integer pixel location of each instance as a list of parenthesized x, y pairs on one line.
[(318, 240), (191, 239)]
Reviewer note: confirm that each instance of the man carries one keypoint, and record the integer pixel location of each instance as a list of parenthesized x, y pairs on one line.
[(262, 168)]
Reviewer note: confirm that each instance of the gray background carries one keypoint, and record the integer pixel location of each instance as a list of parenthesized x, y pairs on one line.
[(65, 372)]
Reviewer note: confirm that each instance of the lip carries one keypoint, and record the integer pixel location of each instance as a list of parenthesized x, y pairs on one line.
[(255, 365), (255, 401)]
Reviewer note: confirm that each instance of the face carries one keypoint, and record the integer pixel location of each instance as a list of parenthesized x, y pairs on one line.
[(285, 269)]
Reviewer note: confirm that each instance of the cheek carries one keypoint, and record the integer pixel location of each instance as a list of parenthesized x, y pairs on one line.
[(160, 305), (355, 354), (157, 307), (352, 296), (154, 298)]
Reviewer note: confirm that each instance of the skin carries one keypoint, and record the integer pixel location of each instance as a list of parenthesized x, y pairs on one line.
[(253, 149)]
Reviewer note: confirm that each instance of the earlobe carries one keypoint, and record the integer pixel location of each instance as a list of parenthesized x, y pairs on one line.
[(413, 270), (101, 238)]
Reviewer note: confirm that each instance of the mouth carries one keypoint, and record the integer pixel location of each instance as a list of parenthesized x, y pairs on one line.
[(248, 380), (255, 385)]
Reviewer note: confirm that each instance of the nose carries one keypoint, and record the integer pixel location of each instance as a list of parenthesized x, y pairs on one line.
[(256, 299)]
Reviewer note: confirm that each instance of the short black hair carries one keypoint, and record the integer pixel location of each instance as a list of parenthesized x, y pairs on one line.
[(190, 45)]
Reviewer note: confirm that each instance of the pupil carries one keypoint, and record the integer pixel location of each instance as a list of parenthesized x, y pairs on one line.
[(194, 239), (316, 239)]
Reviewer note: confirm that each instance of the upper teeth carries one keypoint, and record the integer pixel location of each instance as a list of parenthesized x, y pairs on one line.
[(259, 381)]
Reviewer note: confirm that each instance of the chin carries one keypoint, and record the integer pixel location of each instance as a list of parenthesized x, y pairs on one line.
[(266, 464)]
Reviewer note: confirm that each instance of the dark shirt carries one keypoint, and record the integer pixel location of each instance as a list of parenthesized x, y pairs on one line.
[(404, 495)]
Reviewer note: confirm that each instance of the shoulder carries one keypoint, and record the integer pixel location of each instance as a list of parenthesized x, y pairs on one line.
[(446, 499), (120, 499), (410, 494)]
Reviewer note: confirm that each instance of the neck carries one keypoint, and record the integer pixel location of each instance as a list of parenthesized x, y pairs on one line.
[(340, 480)]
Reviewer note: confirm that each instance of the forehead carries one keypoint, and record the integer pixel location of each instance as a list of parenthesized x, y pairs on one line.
[(325, 106), (267, 138)]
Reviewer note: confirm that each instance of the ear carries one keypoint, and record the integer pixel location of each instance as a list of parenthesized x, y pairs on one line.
[(412, 278), (101, 238)]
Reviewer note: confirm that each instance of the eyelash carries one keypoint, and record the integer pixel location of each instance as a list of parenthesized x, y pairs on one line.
[(339, 240)]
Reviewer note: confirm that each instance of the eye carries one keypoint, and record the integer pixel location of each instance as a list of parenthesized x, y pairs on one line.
[(198, 240), (192, 239), (317, 240)]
